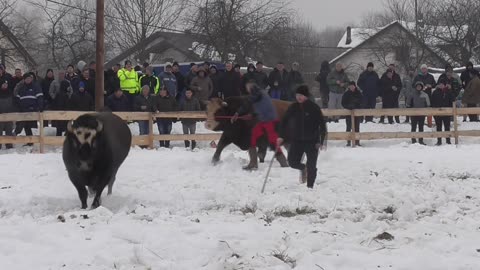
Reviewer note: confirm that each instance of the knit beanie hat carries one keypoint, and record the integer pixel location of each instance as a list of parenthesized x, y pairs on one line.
[(81, 85), (370, 64), (303, 90)]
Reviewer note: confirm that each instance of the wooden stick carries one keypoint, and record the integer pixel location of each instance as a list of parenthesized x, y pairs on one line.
[(352, 131), (150, 131)]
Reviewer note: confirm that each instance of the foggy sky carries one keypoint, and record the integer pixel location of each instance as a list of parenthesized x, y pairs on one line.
[(322, 13)]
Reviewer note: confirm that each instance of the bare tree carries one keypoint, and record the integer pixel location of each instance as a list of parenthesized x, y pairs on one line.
[(243, 28), (132, 21)]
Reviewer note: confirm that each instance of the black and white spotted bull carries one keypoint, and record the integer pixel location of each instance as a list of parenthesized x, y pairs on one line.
[(219, 113), (95, 146)]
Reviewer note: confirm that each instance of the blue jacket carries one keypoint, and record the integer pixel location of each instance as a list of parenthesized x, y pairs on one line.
[(30, 98), (369, 83), (169, 81), (262, 104)]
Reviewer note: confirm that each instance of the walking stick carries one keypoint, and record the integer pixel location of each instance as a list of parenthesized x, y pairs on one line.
[(269, 168)]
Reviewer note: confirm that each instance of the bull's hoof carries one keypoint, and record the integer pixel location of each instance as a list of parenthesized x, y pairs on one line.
[(95, 204), (262, 160), (215, 161), (250, 168)]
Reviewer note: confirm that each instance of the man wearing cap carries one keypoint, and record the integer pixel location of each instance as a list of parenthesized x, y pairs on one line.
[(180, 81), (267, 118), (369, 84), (467, 76), (419, 99), (295, 79), (5, 76), (81, 100), (304, 127), (129, 81), (352, 100), (260, 76), (230, 82), (337, 82), (151, 80), (390, 86), (427, 79), (29, 99), (6, 106), (443, 97), (168, 80), (191, 74)]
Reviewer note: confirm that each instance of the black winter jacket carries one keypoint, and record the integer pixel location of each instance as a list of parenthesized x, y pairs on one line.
[(304, 123), (442, 98), (352, 100)]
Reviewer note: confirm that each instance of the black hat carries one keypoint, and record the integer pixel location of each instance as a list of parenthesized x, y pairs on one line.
[(175, 64), (469, 64), (442, 81), (28, 74), (237, 66), (192, 64), (303, 90), (127, 62), (259, 63), (352, 83), (370, 64)]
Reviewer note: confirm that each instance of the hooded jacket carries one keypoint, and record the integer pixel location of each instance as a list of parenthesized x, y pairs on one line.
[(322, 77), (169, 81), (128, 80), (304, 123)]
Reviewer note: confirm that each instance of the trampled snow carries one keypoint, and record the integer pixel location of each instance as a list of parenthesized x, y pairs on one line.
[(171, 209)]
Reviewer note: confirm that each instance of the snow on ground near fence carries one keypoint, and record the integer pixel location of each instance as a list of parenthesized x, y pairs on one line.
[(171, 209)]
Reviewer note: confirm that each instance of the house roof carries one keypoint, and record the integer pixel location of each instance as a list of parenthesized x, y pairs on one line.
[(16, 43), (159, 42), (362, 36)]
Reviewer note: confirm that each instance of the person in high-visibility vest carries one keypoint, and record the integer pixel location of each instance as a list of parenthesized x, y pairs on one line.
[(129, 81)]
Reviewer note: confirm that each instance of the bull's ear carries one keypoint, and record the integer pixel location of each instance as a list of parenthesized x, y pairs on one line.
[(69, 126), (99, 126), (224, 104)]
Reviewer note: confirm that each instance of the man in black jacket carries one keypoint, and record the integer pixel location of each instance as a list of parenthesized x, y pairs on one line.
[(352, 100), (304, 127)]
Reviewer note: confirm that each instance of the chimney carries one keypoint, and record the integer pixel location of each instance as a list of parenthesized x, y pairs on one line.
[(349, 36)]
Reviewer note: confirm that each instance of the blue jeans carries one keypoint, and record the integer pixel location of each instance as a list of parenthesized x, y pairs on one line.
[(164, 127), (144, 128)]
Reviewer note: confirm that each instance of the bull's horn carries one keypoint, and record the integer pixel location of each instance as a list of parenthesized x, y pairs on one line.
[(69, 126), (224, 104), (99, 126)]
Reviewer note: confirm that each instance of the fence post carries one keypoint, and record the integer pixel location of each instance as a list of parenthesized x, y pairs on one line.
[(455, 122), (353, 128), (150, 131), (41, 133)]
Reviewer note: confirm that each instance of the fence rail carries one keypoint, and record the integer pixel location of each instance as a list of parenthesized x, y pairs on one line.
[(147, 140)]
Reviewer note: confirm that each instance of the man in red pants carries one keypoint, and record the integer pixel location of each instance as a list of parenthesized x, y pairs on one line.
[(267, 119)]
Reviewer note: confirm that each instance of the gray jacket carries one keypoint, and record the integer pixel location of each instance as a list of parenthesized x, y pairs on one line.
[(407, 90), (332, 79), (419, 99)]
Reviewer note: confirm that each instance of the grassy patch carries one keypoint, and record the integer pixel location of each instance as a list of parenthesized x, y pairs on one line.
[(283, 256)]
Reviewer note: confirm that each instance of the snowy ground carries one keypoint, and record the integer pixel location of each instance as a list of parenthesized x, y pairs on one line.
[(171, 209)]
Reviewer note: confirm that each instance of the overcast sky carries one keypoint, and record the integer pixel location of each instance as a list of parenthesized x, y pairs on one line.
[(324, 13)]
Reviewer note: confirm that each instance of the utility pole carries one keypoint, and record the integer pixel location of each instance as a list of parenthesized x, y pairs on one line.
[(100, 55), (416, 32)]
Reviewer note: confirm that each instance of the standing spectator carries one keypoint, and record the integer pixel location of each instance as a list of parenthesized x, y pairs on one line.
[(206, 67), (191, 104), (250, 75), (144, 103), (169, 81), (129, 81), (215, 77), (305, 127), (5, 76), (466, 77), (337, 82), (60, 93), (45, 84), (112, 82), (145, 65), (369, 83), (151, 80), (238, 69), (6, 106), (450, 81), (30, 99), (322, 80), (468, 74), (261, 78), (203, 88), (72, 77), (419, 99), (191, 74), (295, 79), (278, 81), (407, 90), (230, 82), (427, 79), (180, 81), (442, 97), (92, 70), (390, 86), (17, 78), (88, 82), (352, 100), (118, 102), (471, 96), (81, 100), (165, 103)]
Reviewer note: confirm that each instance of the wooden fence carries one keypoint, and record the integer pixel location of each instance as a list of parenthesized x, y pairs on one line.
[(147, 140)]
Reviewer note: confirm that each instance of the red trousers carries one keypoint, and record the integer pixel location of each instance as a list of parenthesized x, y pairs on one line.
[(262, 128)]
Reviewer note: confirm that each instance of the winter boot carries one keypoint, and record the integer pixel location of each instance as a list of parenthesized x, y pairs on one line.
[(303, 175), (448, 141), (397, 119), (382, 120), (357, 143), (439, 142), (187, 144), (349, 144), (162, 143), (281, 159), (194, 144), (420, 141), (253, 165), (414, 141), (167, 144)]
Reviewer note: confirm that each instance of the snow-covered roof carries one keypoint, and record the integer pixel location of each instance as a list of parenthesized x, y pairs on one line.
[(359, 35)]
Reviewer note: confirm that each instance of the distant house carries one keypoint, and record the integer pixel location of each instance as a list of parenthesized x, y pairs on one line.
[(394, 43), (12, 53), (161, 47)]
